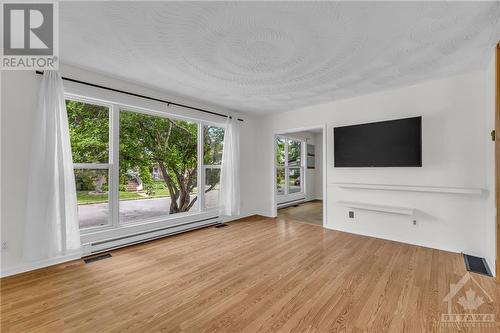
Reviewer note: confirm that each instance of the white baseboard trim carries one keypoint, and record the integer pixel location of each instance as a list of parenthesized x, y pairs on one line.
[(234, 218), (291, 203), (313, 199), (265, 213), (31, 266), (429, 246)]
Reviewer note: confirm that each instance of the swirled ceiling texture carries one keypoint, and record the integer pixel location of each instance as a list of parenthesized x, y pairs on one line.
[(275, 56)]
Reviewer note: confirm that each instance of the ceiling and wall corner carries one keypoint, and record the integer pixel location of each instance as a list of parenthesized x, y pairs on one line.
[(264, 57)]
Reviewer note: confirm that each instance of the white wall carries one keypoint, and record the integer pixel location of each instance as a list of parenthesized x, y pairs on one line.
[(19, 91), (456, 153)]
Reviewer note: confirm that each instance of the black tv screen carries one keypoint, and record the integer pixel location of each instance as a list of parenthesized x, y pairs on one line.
[(393, 143)]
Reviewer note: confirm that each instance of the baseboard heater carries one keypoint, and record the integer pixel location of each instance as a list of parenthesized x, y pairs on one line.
[(136, 238), (291, 203)]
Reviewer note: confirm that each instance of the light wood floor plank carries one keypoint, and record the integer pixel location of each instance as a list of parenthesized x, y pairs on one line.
[(257, 275)]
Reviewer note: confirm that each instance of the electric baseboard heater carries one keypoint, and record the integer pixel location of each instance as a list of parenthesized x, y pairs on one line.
[(136, 238)]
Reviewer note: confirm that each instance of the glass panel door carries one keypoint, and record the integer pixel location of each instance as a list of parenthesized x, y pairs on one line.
[(294, 180), (294, 153), (289, 166), (280, 181)]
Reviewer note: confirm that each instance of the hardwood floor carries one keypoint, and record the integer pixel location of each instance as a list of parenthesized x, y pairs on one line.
[(257, 275), (309, 212)]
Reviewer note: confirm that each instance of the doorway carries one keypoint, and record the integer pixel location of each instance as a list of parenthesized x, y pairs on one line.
[(298, 175)]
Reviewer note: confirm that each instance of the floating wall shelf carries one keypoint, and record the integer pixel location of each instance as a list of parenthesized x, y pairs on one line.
[(413, 188), (378, 208)]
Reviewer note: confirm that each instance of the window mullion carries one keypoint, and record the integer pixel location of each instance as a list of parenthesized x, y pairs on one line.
[(114, 166), (286, 167), (303, 158), (200, 186), (91, 165), (302, 180)]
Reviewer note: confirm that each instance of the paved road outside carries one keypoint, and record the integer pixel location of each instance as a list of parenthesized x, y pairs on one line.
[(133, 210)]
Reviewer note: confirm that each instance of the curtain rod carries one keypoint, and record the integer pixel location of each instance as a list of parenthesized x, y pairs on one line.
[(142, 96)]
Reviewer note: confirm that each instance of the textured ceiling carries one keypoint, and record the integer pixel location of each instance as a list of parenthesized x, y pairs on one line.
[(275, 56)]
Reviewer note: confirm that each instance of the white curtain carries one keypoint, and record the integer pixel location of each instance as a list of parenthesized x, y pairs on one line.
[(51, 228), (229, 195)]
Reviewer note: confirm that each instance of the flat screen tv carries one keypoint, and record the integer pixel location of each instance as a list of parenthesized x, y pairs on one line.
[(393, 143)]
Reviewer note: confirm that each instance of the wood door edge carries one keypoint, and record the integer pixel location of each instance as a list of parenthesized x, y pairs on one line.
[(497, 159)]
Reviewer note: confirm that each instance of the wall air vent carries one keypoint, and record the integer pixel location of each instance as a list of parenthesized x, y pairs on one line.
[(97, 258), (476, 265)]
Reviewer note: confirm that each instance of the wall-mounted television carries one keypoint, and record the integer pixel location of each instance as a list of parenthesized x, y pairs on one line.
[(392, 143)]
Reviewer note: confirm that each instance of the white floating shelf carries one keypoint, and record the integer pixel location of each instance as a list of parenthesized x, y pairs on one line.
[(378, 208), (413, 188)]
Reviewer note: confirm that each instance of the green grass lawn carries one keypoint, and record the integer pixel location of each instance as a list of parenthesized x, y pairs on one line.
[(84, 198), (162, 193)]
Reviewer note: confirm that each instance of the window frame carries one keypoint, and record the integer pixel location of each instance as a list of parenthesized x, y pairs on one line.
[(114, 226), (123, 108), (286, 167), (204, 166), (99, 166)]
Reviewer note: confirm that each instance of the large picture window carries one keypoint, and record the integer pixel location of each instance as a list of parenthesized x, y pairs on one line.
[(289, 166), (132, 166)]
